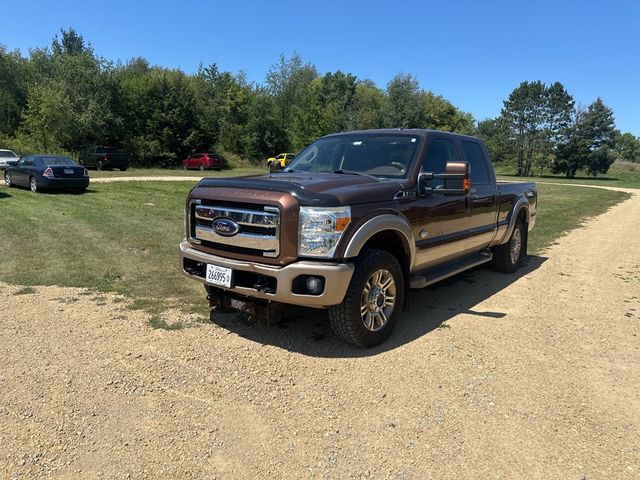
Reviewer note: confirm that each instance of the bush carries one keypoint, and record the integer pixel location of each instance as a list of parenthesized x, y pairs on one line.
[(24, 145)]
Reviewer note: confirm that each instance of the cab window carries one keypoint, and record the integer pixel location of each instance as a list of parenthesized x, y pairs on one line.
[(439, 153)]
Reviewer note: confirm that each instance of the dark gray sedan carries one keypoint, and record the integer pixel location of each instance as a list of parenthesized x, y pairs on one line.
[(47, 172)]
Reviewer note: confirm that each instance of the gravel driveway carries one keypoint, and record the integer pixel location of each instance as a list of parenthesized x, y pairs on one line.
[(487, 376)]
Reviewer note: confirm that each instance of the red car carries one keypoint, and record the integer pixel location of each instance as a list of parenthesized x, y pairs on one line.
[(203, 161)]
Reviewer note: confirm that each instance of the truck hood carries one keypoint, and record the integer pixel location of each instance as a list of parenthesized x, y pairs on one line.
[(315, 189)]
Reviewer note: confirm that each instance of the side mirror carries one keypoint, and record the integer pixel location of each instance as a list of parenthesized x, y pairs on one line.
[(456, 180)]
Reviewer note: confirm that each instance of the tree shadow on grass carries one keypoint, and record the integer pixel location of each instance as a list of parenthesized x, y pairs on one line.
[(307, 331)]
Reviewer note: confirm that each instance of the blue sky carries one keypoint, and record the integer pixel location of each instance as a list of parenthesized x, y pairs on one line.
[(474, 53)]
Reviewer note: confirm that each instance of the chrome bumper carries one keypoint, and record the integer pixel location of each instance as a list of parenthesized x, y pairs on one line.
[(337, 277)]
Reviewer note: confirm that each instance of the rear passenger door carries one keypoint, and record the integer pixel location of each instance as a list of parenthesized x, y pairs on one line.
[(482, 197)]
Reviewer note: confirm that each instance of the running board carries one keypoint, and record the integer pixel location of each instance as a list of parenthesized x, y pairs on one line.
[(429, 277)]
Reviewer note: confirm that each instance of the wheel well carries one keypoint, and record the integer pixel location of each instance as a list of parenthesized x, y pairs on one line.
[(391, 242), (522, 215)]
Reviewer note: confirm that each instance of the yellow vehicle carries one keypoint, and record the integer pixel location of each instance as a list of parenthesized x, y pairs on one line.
[(282, 159)]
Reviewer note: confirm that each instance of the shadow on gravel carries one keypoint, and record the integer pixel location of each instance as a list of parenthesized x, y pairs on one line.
[(307, 331)]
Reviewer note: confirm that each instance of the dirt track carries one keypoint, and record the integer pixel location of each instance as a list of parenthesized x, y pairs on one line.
[(488, 375)]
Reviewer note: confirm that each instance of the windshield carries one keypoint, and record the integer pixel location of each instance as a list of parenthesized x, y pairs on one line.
[(381, 155), (54, 161), (7, 154)]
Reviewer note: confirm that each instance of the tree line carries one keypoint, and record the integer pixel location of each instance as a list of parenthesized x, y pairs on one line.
[(540, 128), (65, 98)]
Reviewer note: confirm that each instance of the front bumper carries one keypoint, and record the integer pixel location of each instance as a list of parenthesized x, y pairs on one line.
[(337, 277)]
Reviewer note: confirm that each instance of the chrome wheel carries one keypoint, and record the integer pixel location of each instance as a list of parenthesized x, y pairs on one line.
[(516, 246), (34, 184), (378, 300), (7, 179)]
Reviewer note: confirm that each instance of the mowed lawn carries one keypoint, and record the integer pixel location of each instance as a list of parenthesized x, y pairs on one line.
[(621, 174), (176, 172), (123, 237)]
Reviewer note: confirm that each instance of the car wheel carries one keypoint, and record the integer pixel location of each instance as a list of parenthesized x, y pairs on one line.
[(184, 167), (508, 257), (123, 169), (99, 165), (7, 180), (373, 301), (202, 168), (33, 183)]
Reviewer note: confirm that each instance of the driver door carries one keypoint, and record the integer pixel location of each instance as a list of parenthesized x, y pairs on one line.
[(442, 219)]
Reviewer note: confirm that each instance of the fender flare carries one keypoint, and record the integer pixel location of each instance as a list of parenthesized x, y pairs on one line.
[(521, 203), (379, 224)]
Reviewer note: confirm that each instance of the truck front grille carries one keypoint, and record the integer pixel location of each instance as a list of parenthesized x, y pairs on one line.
[(258, 231)]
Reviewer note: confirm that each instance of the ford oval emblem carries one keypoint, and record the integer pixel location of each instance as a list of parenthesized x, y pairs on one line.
[(225, 227)]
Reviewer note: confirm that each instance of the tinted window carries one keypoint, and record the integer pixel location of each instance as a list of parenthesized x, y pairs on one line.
[(8, 154), (110, 150), (99, 149), (50, 161), (440, 152), (28, 162), (477, 163)]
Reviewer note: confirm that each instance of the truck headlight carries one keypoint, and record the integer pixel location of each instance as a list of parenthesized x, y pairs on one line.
[(321, 229)]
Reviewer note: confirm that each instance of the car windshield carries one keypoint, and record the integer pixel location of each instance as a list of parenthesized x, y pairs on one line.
[(381, 155), (7, 154), (111, 150), (61, 161)]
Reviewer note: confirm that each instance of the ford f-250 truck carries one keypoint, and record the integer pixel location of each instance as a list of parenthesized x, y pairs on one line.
[(351, 224)]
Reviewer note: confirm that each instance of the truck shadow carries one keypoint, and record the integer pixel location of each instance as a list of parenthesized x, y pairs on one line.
[(307, 331)]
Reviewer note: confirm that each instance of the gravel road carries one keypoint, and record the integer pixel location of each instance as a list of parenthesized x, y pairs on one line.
[(488, 376)]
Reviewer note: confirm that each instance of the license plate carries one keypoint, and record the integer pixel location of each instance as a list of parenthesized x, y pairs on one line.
[(219, 275), (68, 171)]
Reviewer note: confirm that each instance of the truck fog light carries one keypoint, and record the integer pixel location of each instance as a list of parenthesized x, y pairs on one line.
[(314, 285)]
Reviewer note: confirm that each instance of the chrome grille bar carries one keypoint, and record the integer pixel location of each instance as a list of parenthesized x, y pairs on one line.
[(259, 229)]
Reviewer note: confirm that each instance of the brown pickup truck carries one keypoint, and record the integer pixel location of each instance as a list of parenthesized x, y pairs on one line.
[(351, 224)]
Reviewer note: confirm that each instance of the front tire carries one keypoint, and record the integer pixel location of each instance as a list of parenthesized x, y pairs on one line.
[(373, 302), (7, 180), (507, 258)]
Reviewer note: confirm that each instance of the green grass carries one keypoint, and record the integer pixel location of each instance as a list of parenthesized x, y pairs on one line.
[(621, 174), (175, 172), (123, 238), (120, 237), (562, 208)]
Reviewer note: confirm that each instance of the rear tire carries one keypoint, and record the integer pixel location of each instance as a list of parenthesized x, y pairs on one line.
[(507, 258), (373, 302), (202, 168), (33, 184), (7, 180), (99, 166)]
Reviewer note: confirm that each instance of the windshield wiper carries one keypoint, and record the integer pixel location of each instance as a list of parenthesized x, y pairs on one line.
[(351, 172)]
